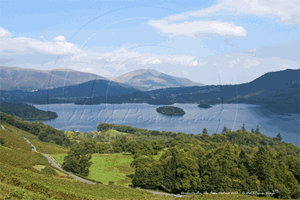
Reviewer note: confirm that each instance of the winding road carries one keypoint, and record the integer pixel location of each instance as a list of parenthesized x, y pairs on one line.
[(56, 165)]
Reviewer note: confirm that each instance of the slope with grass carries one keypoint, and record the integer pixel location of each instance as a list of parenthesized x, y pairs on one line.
[(21, 176), (43, 147)]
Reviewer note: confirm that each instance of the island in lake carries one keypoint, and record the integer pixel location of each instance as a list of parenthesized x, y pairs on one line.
[(203, 104), (170, 110)]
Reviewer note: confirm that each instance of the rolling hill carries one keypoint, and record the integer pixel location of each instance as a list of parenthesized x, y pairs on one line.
[(280, 87), (149, 79), (13, 78)]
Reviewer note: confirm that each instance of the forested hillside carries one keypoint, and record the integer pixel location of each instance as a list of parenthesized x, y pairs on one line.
[(25, 111), (239, 160)]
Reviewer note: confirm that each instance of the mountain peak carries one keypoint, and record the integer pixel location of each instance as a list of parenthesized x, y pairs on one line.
[(151, 79)]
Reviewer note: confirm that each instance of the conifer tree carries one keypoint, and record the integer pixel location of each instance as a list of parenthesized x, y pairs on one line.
[(278, 137), (243, 128)]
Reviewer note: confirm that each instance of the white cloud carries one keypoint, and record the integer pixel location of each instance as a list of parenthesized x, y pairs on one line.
[(251, 63), (235, 67), (156, 61), (185, 72), (252, 50), (87, 70), (177, 17), (41, 38), (239, 68), (286, 11), (284, 66), (37, 54), (4, 33), (59, 38), (199, 29)]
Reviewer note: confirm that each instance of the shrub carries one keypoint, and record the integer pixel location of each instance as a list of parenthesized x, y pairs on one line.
[(49, 170), (110, 182), (1, 141)]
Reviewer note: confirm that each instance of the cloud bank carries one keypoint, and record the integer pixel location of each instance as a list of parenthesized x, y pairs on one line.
[(41, 54), (286, 11), (227, 68), (199, 29)]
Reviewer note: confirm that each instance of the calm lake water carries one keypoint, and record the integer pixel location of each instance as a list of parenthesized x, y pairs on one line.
[(85, 118)]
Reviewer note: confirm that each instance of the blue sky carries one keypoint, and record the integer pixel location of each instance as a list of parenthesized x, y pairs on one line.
[(212, 42)]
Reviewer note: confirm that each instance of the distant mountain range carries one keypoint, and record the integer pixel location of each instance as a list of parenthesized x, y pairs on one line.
[(71, 93), (149, 79), (16, 78), (13, 78), (278, 90)]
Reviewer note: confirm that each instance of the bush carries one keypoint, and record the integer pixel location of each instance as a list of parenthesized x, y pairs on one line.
[(49, 170), (110, 182), (1, 141)]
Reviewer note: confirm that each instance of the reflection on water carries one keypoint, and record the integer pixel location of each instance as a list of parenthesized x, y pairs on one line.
[(86, 118)]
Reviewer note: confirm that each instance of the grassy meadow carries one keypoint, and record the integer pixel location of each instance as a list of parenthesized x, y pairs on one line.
[(110, 167)]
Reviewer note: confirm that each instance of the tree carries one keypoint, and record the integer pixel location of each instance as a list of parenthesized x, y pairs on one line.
[(101, 147), (145, 149), (117, 146), (141, 161), (257, 130), (244, 159), (132, 146), (252, 130), (205, 135), (225, 129), (77, 160), (278, 137), (156, 146), (263, 166), (243, 128), (103, 127), (187, 175)]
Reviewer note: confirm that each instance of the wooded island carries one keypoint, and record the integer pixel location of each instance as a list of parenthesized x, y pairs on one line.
[(170, 110)]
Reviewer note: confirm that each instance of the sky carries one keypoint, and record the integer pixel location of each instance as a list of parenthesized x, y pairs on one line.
[(210, 42)]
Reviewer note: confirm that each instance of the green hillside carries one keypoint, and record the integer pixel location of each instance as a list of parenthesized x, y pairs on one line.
[(20, 178), (28, 175)]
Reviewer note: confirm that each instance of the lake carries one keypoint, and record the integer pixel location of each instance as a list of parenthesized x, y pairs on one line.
[(85, 118)]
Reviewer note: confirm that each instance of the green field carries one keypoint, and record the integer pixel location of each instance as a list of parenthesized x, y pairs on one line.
[(108, 167)]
